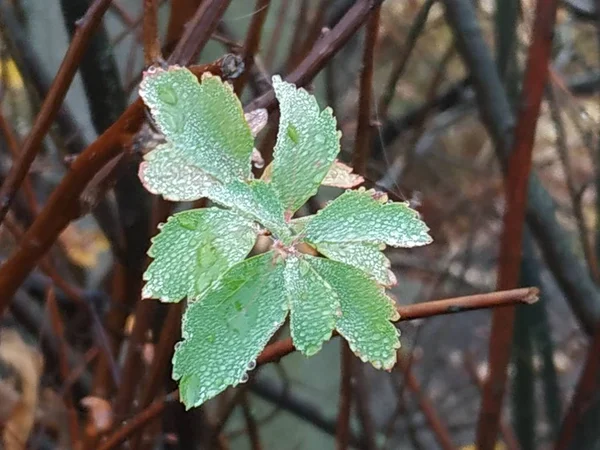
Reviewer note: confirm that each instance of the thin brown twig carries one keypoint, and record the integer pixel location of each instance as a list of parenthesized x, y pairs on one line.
[(510, 440), (365, 119), (51, 105), (516, 184), (252, 42), (152, 52), (586, 390), (59, 331), (276, 35), (342, 430), (565, 159), (438, 427), (251, 425), (400, 64), (323, 51), (277, 350), (13, 146)]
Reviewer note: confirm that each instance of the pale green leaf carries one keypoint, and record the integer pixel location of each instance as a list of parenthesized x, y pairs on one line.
[(367, 312), (193, 249), (340, 175), (166, 172), (256, 200), (366, 257), (204, 121), (314, 306), (225, 331), (307, 144), (359, 216)]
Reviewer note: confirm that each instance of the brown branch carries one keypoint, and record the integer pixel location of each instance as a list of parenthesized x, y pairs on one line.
[(51, 105), (251, 425), (181, 11), (507, 432), (323, 51), (198, 31), (362, 147), (152, 53), (400, 64), (517, 177), (342, 431), (276, 35), (13, 146), (252, 42), (438, 427), (137, 422), (59, 331), (63, 205), (276, 351), (586, 390)]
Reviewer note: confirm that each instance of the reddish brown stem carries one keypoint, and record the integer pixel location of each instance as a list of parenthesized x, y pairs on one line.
[(586, 390), (64, 203), (362, 146), (13, 147), (342, 431), (323, 51), (59, 331), (507, 433), (438, 427), (517, 176), (51, 105), (152, 51), (252, 42), (181, 11), (279, 349), (276, 35)]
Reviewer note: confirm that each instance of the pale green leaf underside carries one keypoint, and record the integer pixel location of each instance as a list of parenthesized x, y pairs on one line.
[(366, 312), (366, 257), (166, 172), (314, 306), (226, 330), (355, 216), (307, 144), (193, 249), (204, 121)]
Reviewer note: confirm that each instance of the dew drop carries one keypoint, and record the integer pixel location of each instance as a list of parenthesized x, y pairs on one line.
[(293, 133), (320, 139), (244, 378), (187, 222), (167, 95), (251, 365)]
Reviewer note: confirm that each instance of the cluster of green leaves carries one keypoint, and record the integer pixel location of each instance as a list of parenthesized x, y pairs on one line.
[(235, 305)]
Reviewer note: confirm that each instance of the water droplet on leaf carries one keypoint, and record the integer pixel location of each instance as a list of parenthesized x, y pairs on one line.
[(167, 95), (293, 133)]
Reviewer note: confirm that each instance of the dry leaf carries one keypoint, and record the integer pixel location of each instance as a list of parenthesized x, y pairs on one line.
[(83, 246), (28, 363), (100, 412)]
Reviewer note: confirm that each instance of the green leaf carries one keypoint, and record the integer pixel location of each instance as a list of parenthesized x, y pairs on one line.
[(226, 330), (307, 144), (314, 306), (193, 249), (204, 121), (366, 312), (366, 257), (256, 200), (166, 172), (361, 217)]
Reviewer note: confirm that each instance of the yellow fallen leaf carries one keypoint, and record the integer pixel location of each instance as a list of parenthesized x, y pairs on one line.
[(83, 246)]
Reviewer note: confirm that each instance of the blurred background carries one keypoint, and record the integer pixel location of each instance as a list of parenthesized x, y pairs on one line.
[(437, 122)]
